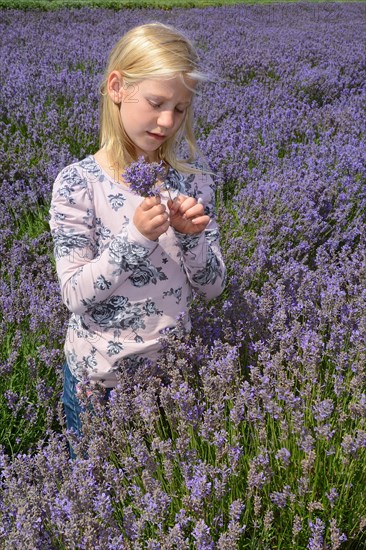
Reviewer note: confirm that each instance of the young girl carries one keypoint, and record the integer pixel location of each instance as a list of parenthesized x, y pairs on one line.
[(127, 265)]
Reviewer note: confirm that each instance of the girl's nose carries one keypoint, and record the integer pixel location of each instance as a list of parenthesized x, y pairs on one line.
[(166, 119)]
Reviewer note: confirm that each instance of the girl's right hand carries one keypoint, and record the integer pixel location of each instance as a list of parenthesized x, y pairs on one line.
[(151, 218)]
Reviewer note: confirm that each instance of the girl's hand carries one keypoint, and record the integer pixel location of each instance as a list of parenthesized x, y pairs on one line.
[(151, 218), (187, 215)]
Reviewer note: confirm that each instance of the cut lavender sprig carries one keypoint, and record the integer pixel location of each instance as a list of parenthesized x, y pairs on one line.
[(142, 177)]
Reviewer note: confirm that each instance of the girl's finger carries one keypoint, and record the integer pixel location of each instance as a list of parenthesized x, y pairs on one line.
[(201, 220), (193, 211), (149, 202), (187, 203), (173, 205), (159, 220)]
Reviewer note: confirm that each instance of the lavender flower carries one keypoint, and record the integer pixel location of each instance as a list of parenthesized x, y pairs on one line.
[(142, 177), (284, 456), (316, 540), (201, 534), (323, 409), (332, 496), (336, 537), (280, 498)]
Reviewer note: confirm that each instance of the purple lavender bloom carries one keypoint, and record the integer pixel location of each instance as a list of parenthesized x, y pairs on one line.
[(316, 540), (142, 177), (332, 495), (236, 509), (284, 456), (199, 485), (201, 534), (281, 498), (323, 409)]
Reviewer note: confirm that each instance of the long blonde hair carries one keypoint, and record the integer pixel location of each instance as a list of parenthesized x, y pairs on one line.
[(153, 50)]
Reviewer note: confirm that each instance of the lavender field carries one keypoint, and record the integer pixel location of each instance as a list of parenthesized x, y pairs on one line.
[(251, 431)]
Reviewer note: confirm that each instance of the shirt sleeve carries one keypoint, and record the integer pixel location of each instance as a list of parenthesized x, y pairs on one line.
[(201, 253), (86, 274)]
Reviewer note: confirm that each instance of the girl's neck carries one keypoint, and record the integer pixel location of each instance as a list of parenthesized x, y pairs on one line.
[(111, 169)]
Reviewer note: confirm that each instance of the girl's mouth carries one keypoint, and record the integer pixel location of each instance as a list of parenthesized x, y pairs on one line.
[(156, 136)]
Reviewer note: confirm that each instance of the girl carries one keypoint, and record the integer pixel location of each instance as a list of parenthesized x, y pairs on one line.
[(127, 265)]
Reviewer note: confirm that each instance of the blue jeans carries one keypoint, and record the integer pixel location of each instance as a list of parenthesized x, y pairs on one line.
[(71, 402)]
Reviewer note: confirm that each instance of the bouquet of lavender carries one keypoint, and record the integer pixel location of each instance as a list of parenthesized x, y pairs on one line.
[(142, 177)]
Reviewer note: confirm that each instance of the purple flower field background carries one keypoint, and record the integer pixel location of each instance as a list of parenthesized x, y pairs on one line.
[(250, 433)]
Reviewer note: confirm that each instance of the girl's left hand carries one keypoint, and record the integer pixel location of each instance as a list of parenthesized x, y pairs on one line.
[(187, 215)]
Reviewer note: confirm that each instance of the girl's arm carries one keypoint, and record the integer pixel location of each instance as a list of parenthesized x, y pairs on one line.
[(89, 272)]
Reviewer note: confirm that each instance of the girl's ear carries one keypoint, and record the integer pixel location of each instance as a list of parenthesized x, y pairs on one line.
[(115, 87)]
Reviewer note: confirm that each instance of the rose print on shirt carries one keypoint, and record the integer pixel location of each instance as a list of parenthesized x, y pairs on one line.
[(179, 182), (176, 292), (102, 231), (88, 361), (72, 180), (146, 273), (126, 255), (114, 348), (65, 243), (116, 201), (118, 312), (188, 242), (101, 283), (210, 272)]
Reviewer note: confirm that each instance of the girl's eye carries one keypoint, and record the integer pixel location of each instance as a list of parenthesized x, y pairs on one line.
[(158, 105)]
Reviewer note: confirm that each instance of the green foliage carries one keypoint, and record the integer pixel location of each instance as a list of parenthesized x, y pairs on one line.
[(132, 4), (26, 402)]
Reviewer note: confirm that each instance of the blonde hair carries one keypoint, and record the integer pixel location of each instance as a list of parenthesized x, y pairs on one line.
[(153, 50)]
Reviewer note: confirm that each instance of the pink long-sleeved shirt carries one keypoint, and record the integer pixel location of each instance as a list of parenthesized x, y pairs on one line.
[(122, 289)]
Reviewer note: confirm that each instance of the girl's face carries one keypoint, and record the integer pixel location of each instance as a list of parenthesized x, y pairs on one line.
[(153, 111)]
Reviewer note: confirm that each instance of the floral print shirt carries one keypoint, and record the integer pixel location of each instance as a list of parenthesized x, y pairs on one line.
[(122, 289)]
